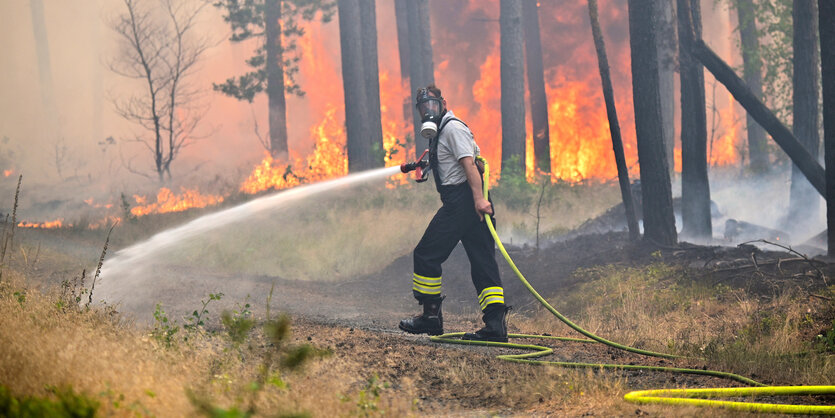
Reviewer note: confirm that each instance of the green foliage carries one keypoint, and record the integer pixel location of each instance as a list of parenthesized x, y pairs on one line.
[(238, 323), (513, 188), (774, 53), (247, 19), (825, 341), (198, 317), (20, 296), (369, 396), (164, 329), (67, 403), (279, 356)]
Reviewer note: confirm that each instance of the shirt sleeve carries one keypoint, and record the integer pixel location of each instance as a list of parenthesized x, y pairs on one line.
[(461, 143)]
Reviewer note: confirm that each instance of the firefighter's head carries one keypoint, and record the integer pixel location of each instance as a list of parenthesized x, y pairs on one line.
[(431, 106)]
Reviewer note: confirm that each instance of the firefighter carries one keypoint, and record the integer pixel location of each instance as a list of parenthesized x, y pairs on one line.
[(458, 179)]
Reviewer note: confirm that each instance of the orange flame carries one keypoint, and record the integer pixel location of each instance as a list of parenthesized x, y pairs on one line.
[(724, 150), (167, 201), (7, 173), (58, 223), (327, 161)]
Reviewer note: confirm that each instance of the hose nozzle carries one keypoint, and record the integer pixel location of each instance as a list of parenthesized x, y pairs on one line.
[(419, 167)]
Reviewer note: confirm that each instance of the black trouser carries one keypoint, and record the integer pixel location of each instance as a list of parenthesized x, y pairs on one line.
[(457, 221)]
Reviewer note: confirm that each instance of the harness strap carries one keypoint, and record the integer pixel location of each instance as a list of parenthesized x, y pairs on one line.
[(433, 152)]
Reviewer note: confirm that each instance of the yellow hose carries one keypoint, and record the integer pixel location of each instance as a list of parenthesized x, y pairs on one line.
[(657, 396)]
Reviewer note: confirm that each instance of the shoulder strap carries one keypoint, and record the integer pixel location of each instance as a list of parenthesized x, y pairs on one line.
[(433, 151)]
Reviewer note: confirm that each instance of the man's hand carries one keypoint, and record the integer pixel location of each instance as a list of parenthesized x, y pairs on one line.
[(483, 206)]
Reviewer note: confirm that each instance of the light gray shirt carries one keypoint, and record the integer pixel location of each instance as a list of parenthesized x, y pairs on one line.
[(455, 142)]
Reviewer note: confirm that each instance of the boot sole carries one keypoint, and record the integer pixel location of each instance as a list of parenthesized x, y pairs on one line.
[(421, 331)]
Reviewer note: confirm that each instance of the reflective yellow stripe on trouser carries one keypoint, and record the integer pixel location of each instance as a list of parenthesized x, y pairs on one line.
[(426, 285), (490, 296)]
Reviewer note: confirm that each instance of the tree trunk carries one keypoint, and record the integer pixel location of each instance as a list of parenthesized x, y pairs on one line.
[(275, 81), (536, 86), (656, 191), (752, 72), (353, 80), (420, 61), (614, 125), (401, 17), (826, 15), (664, 14), (784, 138), (695, 187), (368, 24), (803, 201), (513, 87)]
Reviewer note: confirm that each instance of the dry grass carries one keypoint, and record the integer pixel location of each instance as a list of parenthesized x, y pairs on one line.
[(658, 307)]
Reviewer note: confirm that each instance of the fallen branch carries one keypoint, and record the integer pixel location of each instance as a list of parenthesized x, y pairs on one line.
[(789, 249)]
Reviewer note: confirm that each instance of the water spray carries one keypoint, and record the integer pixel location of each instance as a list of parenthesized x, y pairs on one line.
[(129, 259)]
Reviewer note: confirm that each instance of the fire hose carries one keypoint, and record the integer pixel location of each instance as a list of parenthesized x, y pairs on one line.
[(695, 397)]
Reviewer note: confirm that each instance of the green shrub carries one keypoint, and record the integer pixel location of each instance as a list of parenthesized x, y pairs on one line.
[(67, 404)]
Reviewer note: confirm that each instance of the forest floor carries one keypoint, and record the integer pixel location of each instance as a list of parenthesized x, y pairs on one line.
[(743, 309)]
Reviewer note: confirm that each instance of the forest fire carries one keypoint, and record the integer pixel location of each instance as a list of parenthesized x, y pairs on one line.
[(58, 223), (167, 201), (327, 161)]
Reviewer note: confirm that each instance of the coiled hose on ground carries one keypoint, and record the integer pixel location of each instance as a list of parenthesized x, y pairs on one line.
[(696, 397)]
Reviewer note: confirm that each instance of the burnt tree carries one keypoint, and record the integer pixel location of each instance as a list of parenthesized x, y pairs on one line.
[(803, 201), (401, 18), (752, 73), (513, 87), (826, 15), (368, 25), (353, 79), (695, 187), (536, 86), (656, 191), (275, 80), (421, 69), (665, 41), (758, 110), (614, 125)]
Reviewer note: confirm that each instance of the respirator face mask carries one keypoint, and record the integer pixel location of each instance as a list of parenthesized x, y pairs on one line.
[(429, 107)]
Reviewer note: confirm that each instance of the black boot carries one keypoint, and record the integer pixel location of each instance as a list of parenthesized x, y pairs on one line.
[(495, 328), (430, 322)]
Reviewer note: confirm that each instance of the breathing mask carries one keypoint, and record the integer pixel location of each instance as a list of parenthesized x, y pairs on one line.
[(430, 109)]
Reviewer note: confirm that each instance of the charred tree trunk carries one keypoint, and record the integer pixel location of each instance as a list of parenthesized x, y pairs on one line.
[(353, 79), (420, 62), (695, 187), (784, 138), (513, 87), (368, 25), (275, 81), (536, 86), (401, 17), (826, 15), (752, 72), (803, 201), (665, 40), (614, 126), (656, 191)]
